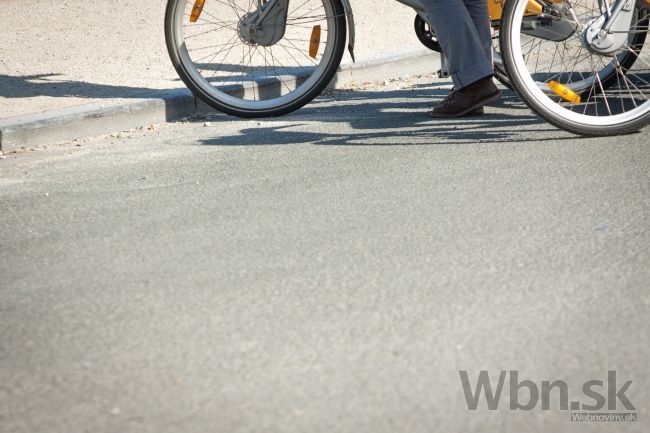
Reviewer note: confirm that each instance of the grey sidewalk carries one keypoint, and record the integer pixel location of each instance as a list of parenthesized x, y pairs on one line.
[(111, 55)]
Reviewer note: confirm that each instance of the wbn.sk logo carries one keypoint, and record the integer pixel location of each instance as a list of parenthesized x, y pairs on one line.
[(600, 400)]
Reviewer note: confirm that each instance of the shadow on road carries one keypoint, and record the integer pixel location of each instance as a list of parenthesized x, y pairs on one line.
[(26, 86), (405, 121)]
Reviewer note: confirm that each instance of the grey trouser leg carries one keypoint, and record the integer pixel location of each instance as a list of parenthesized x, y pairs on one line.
[(463, 30)]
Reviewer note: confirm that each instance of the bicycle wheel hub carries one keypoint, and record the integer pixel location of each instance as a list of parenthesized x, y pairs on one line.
[(600, 40), (266, 25)]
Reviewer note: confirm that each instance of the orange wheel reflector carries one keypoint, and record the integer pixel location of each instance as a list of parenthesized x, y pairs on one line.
[(196, 10), (564, 92), (314, 41)]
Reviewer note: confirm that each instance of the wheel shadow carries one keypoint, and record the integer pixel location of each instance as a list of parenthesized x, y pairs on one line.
[(393, 118), (25, 86)]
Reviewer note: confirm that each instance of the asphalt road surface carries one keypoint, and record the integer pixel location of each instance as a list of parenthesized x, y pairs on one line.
[(328, 271)]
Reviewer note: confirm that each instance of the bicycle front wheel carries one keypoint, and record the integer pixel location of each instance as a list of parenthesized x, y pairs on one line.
[(255, 58), (567, 76)]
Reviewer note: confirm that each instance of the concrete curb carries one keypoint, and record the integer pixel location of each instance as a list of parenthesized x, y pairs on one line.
[(168, 105)]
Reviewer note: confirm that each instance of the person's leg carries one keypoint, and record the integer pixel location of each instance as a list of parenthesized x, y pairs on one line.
[(477, 9), (466, 39), (463, 44)]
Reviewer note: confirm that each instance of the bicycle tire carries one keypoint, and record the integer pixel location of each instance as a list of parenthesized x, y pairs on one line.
[(551, 108), (270, 97)]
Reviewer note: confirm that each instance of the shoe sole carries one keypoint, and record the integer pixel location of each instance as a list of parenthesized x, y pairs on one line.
[(478, 112), (468, 111)]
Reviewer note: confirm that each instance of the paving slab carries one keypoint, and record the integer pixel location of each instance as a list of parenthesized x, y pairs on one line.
[(70, 71), (57, 54)]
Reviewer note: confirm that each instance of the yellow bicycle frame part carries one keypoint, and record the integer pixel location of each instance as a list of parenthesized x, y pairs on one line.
[(495, 8)]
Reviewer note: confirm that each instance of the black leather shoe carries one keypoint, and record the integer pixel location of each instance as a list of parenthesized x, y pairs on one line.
[(469, 100), (476, 112)]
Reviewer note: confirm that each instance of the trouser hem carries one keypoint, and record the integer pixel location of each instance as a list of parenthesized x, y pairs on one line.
[(467, 77)]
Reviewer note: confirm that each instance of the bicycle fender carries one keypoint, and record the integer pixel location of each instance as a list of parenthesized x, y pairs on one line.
[(350, 19)]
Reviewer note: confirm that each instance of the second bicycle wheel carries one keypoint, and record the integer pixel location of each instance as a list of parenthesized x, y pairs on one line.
[(574, 74), (254, 58)]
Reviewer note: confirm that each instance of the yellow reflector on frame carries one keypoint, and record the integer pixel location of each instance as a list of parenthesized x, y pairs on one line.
[(564, 92), (196, 10), (314, 41)]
